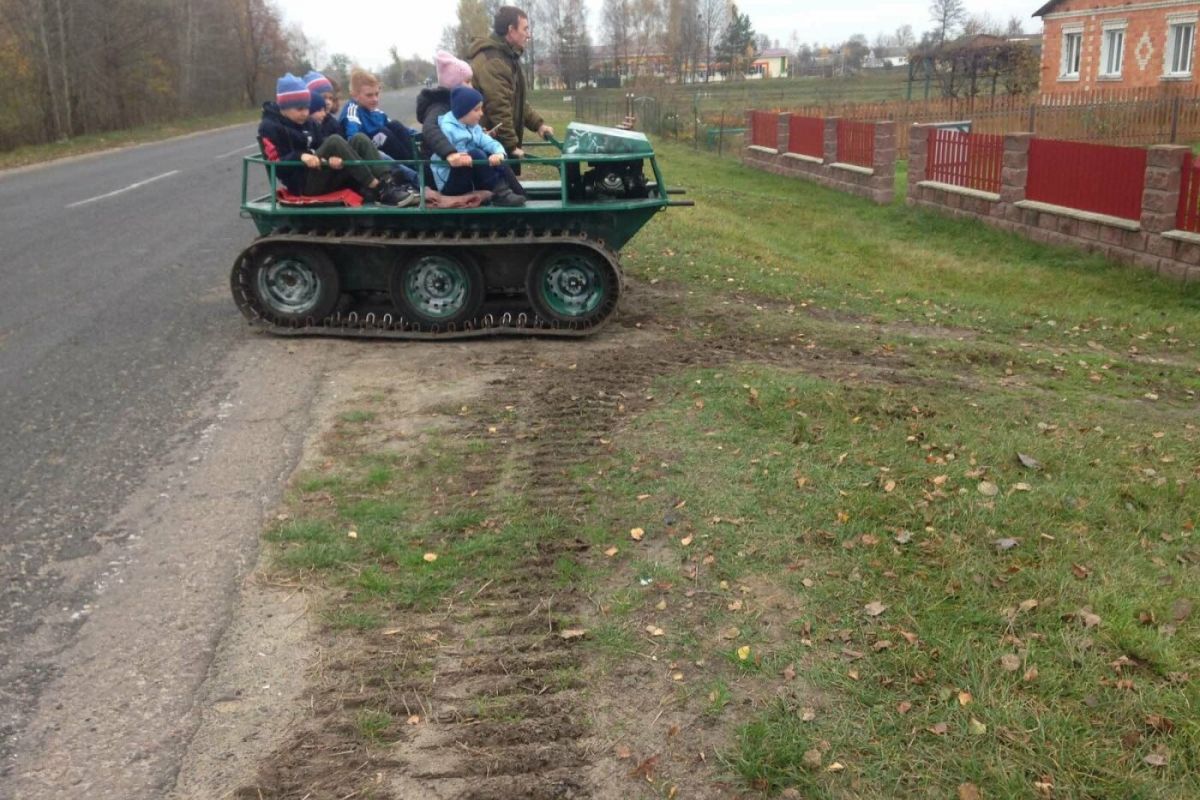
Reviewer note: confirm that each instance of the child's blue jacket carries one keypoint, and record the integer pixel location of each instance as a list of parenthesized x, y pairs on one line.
[(356, 119), (463, 138)]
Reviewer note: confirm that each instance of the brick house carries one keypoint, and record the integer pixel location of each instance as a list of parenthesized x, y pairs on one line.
[(1108, 44)]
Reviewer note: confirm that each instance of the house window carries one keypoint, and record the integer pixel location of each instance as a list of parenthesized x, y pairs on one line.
[(1072, 47), (1181, 39), (1112, 52)]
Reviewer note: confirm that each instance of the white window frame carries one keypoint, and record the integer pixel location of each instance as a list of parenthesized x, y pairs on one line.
[(1069, 32), (1174, 23), (1108, 32)]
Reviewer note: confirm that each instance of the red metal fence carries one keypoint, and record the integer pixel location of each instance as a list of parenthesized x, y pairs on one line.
[(856, 143), (1189, 196), (972, 160), (764, 129), (806, 136), (1090, 177)]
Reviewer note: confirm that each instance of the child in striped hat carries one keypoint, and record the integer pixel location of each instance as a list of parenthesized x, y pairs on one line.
[(286, 135)]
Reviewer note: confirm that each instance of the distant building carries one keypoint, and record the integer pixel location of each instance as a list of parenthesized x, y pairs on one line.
[(1102, 44), (885, 57), (771, 63)]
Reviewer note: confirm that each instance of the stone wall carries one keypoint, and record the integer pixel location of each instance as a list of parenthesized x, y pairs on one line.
[(876, 182), (1151, 242)]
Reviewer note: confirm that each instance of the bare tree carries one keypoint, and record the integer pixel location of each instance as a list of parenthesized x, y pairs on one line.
[(946, 16), (1015, 26), (473, 22), (905, 37), (714, 16), (616, 24)]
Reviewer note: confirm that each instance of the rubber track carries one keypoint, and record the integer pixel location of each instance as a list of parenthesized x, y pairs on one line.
[(371, 326)]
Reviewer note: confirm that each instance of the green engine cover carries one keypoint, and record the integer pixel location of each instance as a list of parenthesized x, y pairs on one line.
[(583, 139)]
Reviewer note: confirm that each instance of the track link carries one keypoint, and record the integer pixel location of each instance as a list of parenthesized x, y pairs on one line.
[(373, 325)]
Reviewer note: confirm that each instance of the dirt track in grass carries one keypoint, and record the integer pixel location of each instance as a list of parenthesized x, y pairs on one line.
[(483, 697)]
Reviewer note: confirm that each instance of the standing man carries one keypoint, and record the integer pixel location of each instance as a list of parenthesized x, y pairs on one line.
[(496, 61)]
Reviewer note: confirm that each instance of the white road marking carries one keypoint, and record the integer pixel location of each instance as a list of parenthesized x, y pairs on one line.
[(235, 152), (128, 188)]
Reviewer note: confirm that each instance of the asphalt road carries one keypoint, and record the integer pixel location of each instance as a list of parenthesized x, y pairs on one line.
[(126, 376)]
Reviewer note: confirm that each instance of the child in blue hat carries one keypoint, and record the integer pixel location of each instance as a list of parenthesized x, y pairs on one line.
[(460, 125)]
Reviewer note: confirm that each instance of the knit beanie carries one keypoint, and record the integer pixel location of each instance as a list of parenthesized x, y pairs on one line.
[(318, 83), (290, 92), (451, 72), (462, 100), (317, 103)]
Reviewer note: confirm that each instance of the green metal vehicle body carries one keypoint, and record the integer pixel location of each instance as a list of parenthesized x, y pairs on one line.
[(548, 267)]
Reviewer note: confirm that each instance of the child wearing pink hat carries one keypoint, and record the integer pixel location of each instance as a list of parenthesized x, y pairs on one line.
[(432, 103)]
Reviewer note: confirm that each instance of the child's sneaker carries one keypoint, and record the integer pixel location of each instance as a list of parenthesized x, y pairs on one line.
[(399, 196), (504, 197)]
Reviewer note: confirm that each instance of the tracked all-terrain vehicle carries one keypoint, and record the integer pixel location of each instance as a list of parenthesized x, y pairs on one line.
[(549, 267)]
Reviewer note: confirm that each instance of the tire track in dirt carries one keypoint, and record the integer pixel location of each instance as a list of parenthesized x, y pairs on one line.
[(484, 697)]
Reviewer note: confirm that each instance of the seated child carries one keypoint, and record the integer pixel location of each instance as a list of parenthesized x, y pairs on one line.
[(432, 102), (362, 114), (286, 135), (460, 126), (321, 87)]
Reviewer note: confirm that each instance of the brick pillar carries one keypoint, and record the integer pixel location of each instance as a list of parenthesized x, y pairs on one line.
[(883, 182), (1014, 174), (918, 158), (1160, 195), (830, 151), (781, 143)]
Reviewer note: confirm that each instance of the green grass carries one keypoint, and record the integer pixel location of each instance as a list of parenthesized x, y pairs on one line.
[(91, 143), (948, 349), (868, 456)]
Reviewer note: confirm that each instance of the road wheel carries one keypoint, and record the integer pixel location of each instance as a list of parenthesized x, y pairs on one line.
[(438, 288), (570, 285), (294, 283)]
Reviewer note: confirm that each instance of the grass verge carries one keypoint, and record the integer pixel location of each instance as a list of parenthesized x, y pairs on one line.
[(914, 516)]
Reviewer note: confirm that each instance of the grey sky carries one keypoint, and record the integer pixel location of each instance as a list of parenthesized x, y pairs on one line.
[(415, 26)]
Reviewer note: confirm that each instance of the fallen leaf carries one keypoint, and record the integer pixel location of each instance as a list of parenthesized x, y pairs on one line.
[(940, 729), (940, 480), (903, 537), (836, 766), (352, 534), (1157, 759), (1080, 571), (730, 633), (1010, 662), (976, 728), (789, 672), (889, 487), (623, 752), (654, 630), (1031, 675), (965, 698), (1006, 544), (685, 541), (988, 489), (736, 605), (1181, 609), (874, 608), (645, 769), (968, 791), (1160, 723), (1028, 605), (431, 557), (636, 534), (1029, 462), (612, 551), (881, 645), (904, 707), (812, 758), (676, 676), (415, 719), (570, 634), (743, 652), (808, 714), (1088, 619), (1022, 487), (808, 583)]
